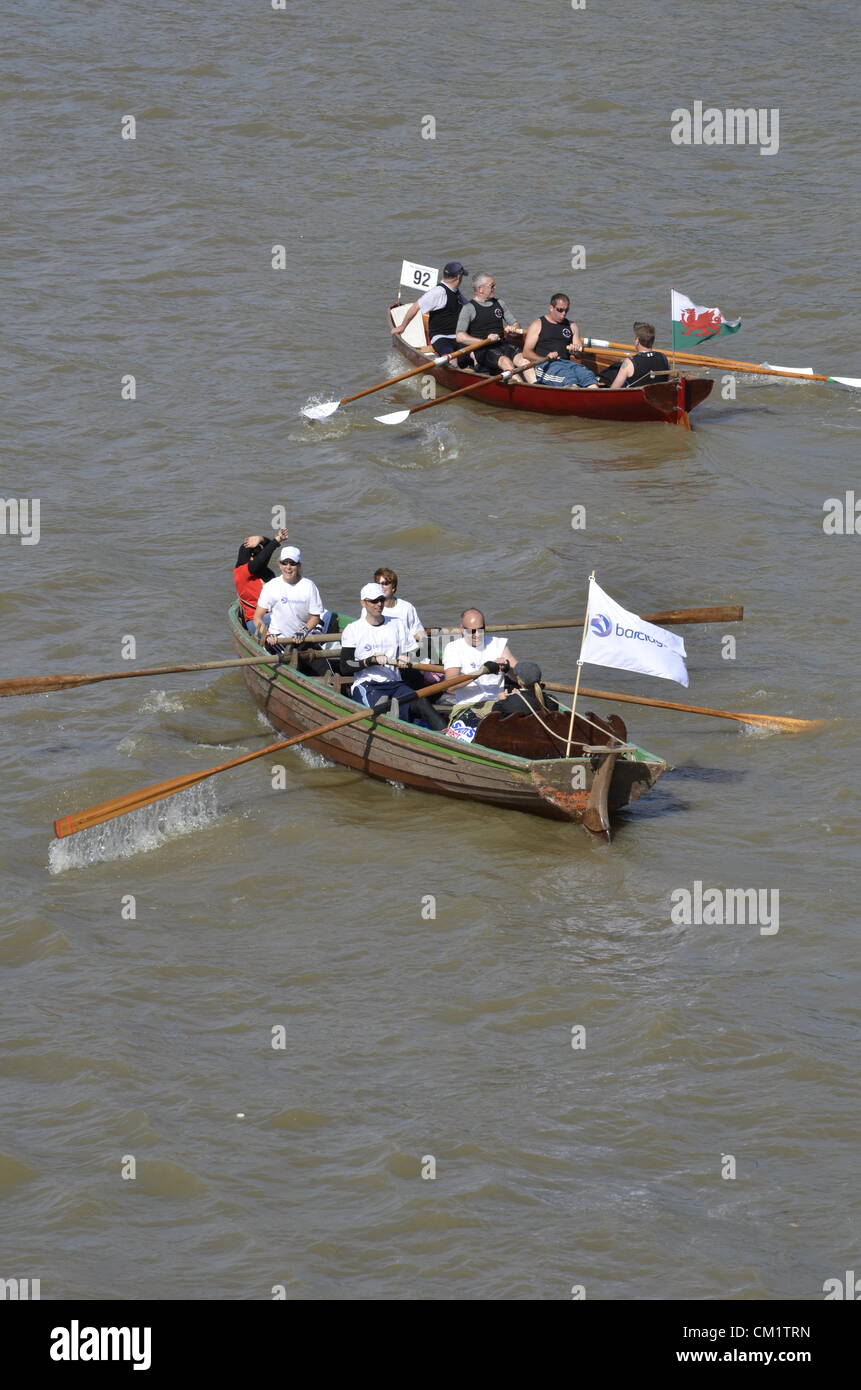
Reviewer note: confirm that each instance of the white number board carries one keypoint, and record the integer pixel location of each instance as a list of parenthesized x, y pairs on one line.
[(418, 277)]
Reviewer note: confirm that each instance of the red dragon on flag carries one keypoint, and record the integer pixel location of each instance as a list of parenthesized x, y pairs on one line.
[(701, 323)]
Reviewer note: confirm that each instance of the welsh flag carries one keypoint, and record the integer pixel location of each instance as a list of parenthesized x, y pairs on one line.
[(693, 324)]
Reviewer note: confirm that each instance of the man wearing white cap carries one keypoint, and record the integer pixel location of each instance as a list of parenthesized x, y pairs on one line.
[(373, 652), (293, 603)]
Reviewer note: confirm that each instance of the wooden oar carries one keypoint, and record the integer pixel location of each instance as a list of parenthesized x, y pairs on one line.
[(769, 721), (727, 614), (327, 408), (728, 364), (397, 417), (37, 685), (158, 791)]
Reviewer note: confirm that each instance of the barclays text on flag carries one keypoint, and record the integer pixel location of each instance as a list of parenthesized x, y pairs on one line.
[(615, 637)]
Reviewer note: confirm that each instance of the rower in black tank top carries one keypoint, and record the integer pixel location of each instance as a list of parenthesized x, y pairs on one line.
[(489, 318), (649, 366), (554, 337)]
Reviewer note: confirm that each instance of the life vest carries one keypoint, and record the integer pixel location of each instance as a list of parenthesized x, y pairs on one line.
[(489, 318), (443, 322)]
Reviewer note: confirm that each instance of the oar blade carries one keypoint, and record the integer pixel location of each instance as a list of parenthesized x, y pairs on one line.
[(397, 417), (37, 685), (123, 805), (321, 411), (783, 722), (796, 371), (847, 381)]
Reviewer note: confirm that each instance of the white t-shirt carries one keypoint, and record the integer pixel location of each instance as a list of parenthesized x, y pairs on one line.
[(407, 615), (433, 299), (464, 655), (388, 636), (289, 604)]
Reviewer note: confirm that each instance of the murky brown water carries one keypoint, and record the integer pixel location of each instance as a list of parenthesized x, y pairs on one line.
[(408, 1037)]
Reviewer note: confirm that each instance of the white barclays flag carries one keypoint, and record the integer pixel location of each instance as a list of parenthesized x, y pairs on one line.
[(615, 637)]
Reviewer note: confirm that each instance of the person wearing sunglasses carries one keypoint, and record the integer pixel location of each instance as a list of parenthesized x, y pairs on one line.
[(486, 316), (395, 607), (469, 652), (372, 652), (293, 604), (252, 571), (554, 335)]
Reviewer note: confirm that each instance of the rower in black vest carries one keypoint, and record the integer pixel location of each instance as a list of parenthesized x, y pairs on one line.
[(648, 366), (443, 322), (554, 335), (485, 315), (644, 365), (442, 305)]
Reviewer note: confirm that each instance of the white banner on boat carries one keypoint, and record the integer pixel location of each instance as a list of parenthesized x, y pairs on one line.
[(615, 637), (419, 277)]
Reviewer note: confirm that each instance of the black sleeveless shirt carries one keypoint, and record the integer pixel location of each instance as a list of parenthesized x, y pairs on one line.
[(489, 318), (644, 364), (443, 322), (554, 337)]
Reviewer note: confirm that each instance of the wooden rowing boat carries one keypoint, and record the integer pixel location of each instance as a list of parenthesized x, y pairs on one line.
[(606, 774), (668, 402)]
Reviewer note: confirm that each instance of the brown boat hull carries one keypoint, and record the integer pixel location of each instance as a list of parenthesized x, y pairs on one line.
[(393, 751)]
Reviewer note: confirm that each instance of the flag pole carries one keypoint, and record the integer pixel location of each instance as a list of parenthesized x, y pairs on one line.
[(672, 337), (579, 669)]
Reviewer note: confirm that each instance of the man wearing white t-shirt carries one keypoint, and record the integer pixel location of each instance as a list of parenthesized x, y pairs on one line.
[(373, 653), (293, 603), (470, 651), (442, 304)]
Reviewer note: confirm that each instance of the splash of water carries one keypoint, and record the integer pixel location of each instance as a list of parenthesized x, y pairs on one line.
[(137, 833), (160, 700), (306, 755)]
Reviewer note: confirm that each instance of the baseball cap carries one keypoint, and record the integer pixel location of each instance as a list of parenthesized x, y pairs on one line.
[(371, 591), (527, 672), (453, 268), (291, 552)]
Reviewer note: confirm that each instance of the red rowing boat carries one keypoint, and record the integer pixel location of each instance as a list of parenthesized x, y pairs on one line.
[(668, 402)]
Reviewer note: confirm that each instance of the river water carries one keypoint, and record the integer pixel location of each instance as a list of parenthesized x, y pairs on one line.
[(586, 1072)]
